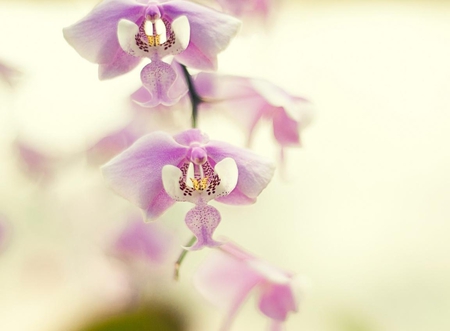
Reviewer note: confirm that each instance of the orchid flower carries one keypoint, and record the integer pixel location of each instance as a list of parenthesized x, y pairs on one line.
[(116, 34), (159, 169), (149, 242), (229, 275), (257, 99)]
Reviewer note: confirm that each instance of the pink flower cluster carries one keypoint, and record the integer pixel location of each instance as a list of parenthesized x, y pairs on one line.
[(153, 169)]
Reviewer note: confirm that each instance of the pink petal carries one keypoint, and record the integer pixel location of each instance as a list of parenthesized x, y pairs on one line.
[(233, 93), (191, 136), (249, 8), (148, 241), (163, 84), (135, 174), (255, 171), (9, 74), (285, 129), (121, 64), (276, 325), (95, 36), (111, 145), (277, 300), (210, 33), (225, 280), (144, 98), (202, 220)]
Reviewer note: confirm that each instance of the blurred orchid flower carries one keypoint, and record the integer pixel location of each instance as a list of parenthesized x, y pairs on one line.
[(9, 74), (35, 163), (251, 100), (229, 275), (248, 8), (116, 34), (153, 174), (144, 241)]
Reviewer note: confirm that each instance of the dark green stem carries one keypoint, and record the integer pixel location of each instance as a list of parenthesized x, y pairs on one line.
[(183, 254), (196, 100)]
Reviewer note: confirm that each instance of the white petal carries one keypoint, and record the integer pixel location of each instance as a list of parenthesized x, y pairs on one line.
[(228, 174), (126, 32), (177, 42), (277, 98), (171, 181)]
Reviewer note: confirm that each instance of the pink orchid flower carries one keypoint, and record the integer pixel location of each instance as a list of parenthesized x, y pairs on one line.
[(257, 99), (117, 34), (229, 275), (144, 241), (159, 169)]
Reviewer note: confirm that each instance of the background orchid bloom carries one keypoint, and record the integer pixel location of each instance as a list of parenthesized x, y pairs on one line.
[(248, 8), (229, 275), (144, 241), (251, 100), (9, 74), (116, 34), (221, 171)]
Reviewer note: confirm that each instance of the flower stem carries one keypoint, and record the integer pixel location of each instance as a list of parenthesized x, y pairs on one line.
[(196, 100), (183, 254)]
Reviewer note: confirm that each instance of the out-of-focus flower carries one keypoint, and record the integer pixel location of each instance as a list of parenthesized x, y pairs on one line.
[(142, 122), (253, 9), (117, 34), (229, 275), (112, 144), (153, 174), (35, 163), (5, 232), (144, 241), (251, 100), (9, 74)]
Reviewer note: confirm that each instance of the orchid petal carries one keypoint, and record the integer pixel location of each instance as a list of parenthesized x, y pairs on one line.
[(202, 220), (277, 97), (285, 129), (277, 300), (255, 172), (95, 36), (225, 281), (144, 240), (121, 64), (111, 145), (158, 77), (276, 325), (126, 34), (135, 174), (211, 32), (191, 136)]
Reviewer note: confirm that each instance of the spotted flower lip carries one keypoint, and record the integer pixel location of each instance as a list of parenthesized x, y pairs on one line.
[(230, 274), (155, 172), (196, 34), (258, 99)]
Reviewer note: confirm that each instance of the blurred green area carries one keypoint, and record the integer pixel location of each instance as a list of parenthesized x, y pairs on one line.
[(143, 318)]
